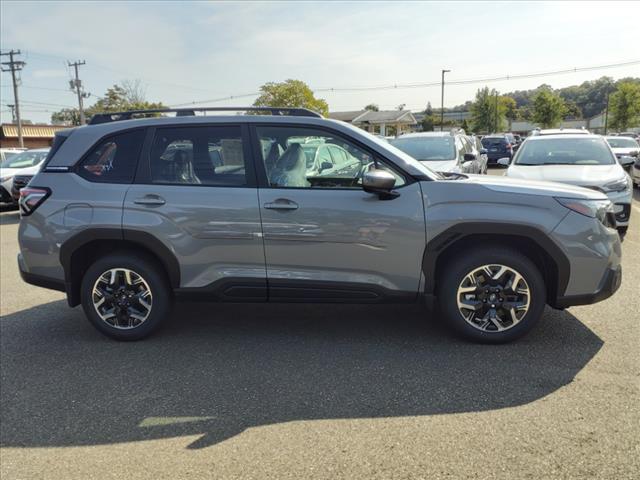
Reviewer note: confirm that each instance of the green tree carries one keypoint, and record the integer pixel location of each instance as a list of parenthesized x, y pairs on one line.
[(373, 107), (488, 112), (129, 96), (290, 93), (510, 108), (624, 105), (465, 126), (548, 108)]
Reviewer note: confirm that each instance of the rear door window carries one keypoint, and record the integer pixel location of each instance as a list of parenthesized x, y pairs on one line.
[(113, 160), (210, 155)]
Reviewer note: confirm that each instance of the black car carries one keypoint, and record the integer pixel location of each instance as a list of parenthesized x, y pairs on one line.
[(497, 146)]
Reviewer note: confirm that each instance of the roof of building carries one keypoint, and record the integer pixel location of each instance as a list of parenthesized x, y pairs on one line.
[(372, 117), (10, 130)]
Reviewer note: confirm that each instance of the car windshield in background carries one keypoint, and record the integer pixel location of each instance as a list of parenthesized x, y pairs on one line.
[(24, 160), (565, 151), (427, 148), (622, 142)]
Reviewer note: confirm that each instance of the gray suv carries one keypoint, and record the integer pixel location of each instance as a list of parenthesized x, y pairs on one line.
[(129, 213)]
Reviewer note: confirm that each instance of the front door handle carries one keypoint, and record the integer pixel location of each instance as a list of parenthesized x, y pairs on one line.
[(281, 204), (150, 200)]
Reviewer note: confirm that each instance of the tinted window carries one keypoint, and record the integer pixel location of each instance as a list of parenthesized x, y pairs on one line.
[(296, 155), (564, 151), (114, 160), (427, 148), (199, 156), (493, 142)]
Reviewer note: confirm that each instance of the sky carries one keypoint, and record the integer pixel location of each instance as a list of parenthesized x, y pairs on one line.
[(187, 52)]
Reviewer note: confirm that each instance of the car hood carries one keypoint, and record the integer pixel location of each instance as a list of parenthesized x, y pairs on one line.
[(6, 172), (441, 165), (582, 175), (533, 187), (624, 151)]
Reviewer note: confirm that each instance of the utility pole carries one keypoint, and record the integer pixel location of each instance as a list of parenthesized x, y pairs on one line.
[(13, 67), (13, 113), (606, 114), (76, 85), (442, 102)]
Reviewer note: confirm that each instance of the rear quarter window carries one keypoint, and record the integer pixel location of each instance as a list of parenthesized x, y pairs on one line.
[(113, 159)]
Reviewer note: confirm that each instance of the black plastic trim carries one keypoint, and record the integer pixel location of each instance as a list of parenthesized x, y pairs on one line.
[(240, 289), (609, 284), (457, 232), (41, 281)]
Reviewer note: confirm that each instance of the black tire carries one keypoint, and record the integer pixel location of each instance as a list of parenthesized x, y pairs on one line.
[(152, 274), (456, 270)]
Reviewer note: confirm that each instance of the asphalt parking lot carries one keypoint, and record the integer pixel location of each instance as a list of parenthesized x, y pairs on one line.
[(316, 391)]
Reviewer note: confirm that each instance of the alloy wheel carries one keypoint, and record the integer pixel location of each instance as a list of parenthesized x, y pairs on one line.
[(122, 298), (493, 298)]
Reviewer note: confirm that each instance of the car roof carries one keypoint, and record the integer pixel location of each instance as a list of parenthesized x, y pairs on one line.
[(567, 136), (563, 131), (427, 134)]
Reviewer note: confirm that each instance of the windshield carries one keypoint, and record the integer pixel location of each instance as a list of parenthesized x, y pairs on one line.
[(24, 159), (427, 148), (622, 142), (564, 151)]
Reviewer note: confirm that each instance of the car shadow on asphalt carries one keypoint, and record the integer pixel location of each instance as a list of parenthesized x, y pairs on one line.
[(218, 369)]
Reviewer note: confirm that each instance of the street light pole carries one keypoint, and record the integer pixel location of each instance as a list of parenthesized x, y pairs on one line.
[(442, 102)]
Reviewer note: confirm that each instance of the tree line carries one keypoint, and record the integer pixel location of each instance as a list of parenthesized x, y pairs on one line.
[(490, 110)]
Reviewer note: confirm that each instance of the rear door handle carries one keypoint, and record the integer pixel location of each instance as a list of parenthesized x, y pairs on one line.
[(281, 204), (150, 200)]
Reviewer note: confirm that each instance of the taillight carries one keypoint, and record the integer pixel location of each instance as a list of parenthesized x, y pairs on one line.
[(31, 198)]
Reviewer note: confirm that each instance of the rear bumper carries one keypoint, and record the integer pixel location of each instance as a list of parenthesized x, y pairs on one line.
[(39, 280), (609, 284)]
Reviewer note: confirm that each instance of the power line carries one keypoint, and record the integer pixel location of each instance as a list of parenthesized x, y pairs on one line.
[(428, 84)]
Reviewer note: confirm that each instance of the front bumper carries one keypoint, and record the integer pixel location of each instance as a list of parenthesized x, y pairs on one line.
[(621, 206), (609, 284), (635, 174)]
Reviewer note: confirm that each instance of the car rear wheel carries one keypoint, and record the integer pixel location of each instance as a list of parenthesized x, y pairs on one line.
[(492, 295), (125, 297)]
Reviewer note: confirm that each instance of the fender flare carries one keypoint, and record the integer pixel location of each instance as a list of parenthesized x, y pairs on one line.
[(436, 246)]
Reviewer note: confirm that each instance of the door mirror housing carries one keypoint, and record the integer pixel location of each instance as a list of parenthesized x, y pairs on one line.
[(505, 161), (483, 151), (325, 166), (381, 183), (469, 157), (626, 161)]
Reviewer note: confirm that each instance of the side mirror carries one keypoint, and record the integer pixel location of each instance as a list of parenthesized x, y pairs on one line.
[(626, 161), (381, 183), (469, 157), (325, 166), (483, 151), (505, 161)]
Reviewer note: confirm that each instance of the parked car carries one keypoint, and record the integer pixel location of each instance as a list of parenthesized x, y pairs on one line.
[(448, 152), (27, 162), (7, 153), (626, 149), (122, 227), (480, 152), (634, 135), (498, 146), (327, 159), (635, 173), (582, 160)]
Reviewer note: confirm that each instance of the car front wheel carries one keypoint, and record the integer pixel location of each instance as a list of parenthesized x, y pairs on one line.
[(492, 295)]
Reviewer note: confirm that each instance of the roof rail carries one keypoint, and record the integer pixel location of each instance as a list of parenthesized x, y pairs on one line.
[(107, 117)]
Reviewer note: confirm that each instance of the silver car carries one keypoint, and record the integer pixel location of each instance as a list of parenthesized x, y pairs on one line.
[(584, 160), (128, 215)]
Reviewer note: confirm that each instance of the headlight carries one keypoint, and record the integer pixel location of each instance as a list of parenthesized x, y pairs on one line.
[(600, 209), (617, 186), (4, 179)]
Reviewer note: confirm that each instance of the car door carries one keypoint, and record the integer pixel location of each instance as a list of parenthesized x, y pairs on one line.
[(195, 191), (325, 238)]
